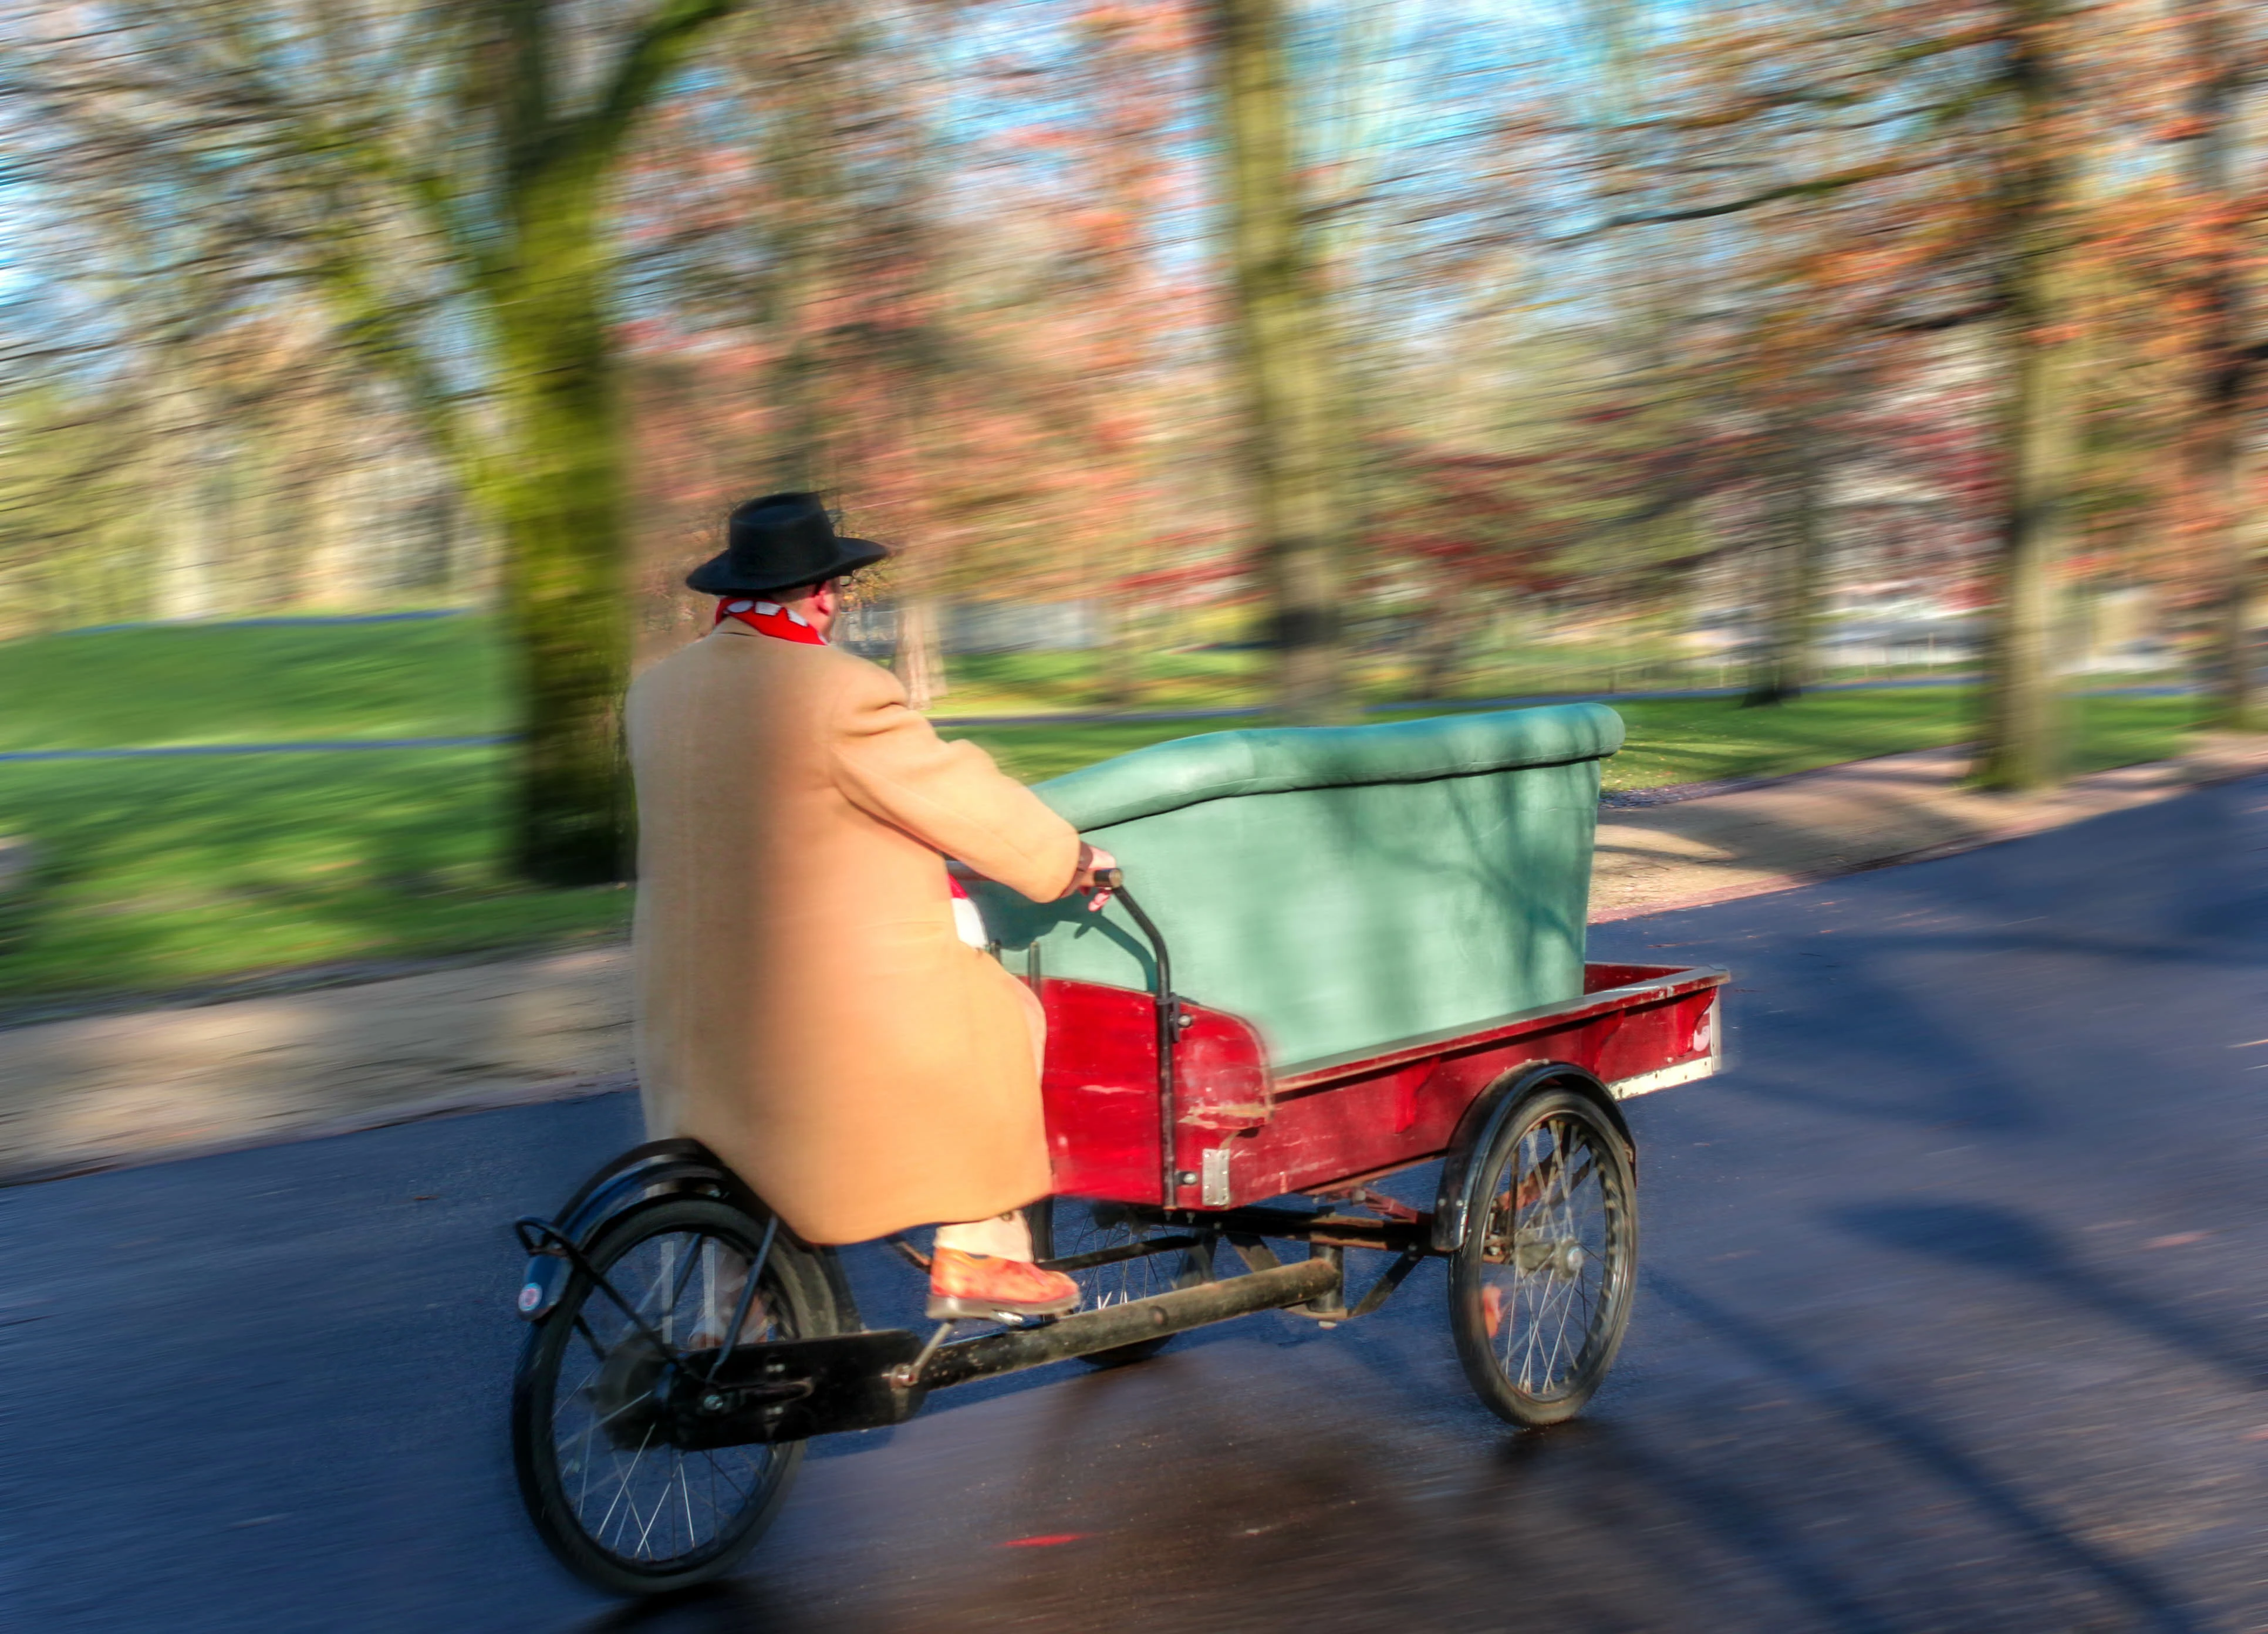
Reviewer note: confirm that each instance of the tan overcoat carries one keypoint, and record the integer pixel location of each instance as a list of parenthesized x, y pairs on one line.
[(805, 1008)]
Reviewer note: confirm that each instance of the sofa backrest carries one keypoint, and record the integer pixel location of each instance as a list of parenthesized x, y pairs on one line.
[(1341, 887)]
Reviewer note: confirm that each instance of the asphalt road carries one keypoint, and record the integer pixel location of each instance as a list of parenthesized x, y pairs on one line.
[(1951, 1320)]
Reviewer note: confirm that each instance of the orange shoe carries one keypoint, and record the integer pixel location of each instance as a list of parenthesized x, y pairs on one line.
[(964, 1284)]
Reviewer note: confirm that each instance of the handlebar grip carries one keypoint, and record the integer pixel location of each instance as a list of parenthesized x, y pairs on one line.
[(1110, 879)]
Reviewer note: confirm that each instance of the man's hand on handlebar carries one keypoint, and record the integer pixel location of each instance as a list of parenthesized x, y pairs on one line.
[(1098, 874)]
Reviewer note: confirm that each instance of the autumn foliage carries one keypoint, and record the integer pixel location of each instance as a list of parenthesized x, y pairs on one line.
[(1476, 321)]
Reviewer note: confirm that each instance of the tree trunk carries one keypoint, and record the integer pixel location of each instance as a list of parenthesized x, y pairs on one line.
[(2020, 749), (802, 163), (2021, 706), (557, 486), (557, 497), (920, 663), (1118, 655), (1282, 359), (1783, 666), (1447, 636), (2242, 702), (2216, 477), (192, 582), (1125, 621), (189, 579), (2216, 451)]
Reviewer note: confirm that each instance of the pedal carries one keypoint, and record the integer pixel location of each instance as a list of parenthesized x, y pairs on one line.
[(953, 1308), (1028, 1319)]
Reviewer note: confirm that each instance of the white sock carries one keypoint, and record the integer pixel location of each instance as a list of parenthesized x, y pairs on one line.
[(1005, 1236)]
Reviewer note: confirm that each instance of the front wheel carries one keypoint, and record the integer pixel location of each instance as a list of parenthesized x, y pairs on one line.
[(1540, 1290), (617, 1504)]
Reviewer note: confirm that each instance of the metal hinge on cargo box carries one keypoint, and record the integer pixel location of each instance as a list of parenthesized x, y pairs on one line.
[(1215, 1192)]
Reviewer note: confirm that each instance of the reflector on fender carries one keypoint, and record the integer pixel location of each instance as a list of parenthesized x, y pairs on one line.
[(546, 1279)]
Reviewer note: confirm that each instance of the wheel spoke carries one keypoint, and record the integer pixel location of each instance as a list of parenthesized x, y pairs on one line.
[(637, 1505), (1567, 1301), (1083, 1228), (623, 1486), (693, 1258), (1549, 1249), (717, 1469)]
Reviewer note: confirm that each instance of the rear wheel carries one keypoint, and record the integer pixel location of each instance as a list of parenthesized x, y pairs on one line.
[(1540, 1291), (613, 1500), (1064, 1226)]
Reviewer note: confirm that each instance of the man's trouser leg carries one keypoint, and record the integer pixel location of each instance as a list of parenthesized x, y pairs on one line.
[(1004, 1281), (1005, 1236)]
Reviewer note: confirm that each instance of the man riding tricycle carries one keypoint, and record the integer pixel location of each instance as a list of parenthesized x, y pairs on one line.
[(1346, 952)]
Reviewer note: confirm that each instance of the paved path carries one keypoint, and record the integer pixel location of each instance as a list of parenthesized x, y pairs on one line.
[(1817, 825), (98, 1090), (1949, 1320)]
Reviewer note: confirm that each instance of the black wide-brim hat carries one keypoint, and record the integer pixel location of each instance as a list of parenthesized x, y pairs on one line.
[(780, 542)]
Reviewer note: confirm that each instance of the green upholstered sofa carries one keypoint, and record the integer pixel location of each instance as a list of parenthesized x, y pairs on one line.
[(1341, 887)]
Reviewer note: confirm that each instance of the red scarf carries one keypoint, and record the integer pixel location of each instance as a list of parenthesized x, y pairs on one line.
[(769, 618)]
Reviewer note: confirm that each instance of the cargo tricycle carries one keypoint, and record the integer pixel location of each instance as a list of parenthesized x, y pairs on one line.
[(683, 1344)]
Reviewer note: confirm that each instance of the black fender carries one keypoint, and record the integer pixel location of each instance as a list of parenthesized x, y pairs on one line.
[(659, 1169), (1490, 1110)]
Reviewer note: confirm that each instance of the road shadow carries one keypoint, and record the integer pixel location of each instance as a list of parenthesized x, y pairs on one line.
[(1998, 1240), (1915, 1439), (1626, 1486), (735, 1606)]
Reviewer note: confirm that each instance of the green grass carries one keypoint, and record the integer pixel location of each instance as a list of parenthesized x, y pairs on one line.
[(1697, 739), (171, 873), (1035, 682), (1016, 683), (448, 678), (164, 874), (438, 678)]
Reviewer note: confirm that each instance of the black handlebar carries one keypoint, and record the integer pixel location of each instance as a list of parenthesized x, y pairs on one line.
[(1171, 1019)]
